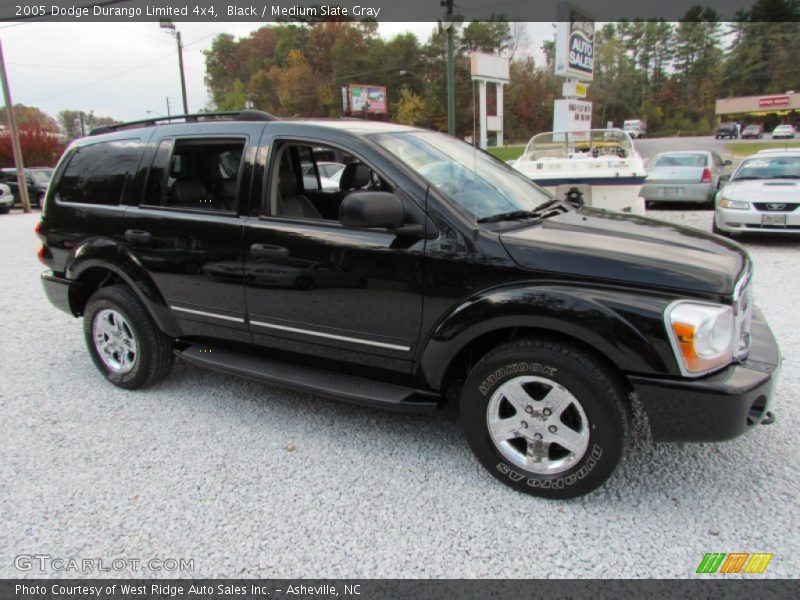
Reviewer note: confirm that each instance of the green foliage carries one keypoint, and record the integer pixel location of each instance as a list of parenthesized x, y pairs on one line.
[(70, 122), (505, 153)]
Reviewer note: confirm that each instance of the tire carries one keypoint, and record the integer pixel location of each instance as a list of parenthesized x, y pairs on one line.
[(140, 354), (4, 210), (570, 393)]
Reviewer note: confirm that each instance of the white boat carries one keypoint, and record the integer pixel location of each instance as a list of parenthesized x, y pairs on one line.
[(599, 168)]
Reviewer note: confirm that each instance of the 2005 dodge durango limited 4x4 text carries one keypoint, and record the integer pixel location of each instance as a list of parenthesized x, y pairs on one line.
[(432, 271)]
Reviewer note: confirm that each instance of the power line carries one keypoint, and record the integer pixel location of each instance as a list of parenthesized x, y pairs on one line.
[(115, 75)]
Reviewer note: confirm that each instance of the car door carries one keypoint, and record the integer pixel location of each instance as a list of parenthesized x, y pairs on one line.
[(187, 229), (316, 287)]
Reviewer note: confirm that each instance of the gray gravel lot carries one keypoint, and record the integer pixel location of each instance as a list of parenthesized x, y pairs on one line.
[(256, 481)]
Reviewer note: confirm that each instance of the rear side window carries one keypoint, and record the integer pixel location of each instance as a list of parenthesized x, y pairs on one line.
[(196, 173), (97, 174)]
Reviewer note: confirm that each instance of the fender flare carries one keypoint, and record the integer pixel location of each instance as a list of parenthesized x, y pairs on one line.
[(107, 254), (611, 322)]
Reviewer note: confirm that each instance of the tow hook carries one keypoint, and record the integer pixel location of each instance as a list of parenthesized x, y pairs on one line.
[(769, 418)]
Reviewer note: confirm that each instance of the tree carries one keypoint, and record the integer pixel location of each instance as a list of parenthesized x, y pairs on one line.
[(40, 147), (410, 108), (30, 117), (70, 121)]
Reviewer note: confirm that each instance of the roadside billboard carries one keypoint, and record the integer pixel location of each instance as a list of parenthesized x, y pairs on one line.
[(574, 43), (368, 98)]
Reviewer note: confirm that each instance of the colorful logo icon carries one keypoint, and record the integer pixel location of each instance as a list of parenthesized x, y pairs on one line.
[(735, 562)]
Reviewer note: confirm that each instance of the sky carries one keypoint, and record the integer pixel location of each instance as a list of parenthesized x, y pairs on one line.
[(128, 70)]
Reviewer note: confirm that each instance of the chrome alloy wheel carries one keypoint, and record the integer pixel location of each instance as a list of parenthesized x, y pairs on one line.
[(538, 425), (114, 341)]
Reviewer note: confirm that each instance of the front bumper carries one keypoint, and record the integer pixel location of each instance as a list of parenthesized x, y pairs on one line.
[(749, 221), (57, 291), (720, 406)]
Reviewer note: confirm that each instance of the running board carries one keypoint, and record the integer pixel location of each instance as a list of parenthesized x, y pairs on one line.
[(310, 379)]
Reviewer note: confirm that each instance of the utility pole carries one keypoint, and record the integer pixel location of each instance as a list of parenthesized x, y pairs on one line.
[(183, 76), (16, 146), (168, 113), (170, 26), (451, 68)]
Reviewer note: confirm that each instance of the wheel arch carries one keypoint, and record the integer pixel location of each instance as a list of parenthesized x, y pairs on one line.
[(101, 262), (591, 320)]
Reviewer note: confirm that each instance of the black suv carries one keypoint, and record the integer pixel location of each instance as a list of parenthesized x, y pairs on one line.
[(433, 272), (727, 130)]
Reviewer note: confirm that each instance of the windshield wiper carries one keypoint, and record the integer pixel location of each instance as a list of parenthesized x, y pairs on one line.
[(547, 204), (516, 215)]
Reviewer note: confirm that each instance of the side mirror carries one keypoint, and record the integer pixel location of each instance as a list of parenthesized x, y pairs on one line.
[(727, 163), (365, 210)]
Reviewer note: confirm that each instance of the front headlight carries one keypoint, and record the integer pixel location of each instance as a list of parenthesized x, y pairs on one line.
[(702, 335), (737, 204)]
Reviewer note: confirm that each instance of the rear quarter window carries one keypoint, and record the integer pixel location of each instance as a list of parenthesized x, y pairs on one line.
[(98, 173)]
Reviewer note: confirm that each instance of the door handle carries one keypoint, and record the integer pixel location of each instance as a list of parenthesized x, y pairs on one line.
[(138, 236), (269, 251)]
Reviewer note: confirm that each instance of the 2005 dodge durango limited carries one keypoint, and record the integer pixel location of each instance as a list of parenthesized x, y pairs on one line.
[(428, 271)]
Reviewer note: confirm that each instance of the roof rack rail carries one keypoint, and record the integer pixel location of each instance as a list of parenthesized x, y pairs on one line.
[(240, 115)]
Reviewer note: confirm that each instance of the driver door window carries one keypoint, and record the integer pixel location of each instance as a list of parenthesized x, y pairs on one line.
[(302, 186)]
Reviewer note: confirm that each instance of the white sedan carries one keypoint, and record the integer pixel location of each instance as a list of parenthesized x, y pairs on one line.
[(6, 199), (762, 196)]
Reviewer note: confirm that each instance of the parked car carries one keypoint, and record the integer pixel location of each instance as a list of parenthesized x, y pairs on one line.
[(540, 318), (783, 132), (329, 174), (684, 177), (636, 128), (753, 131), (37, 180), (762, 195), (727, 130), (6, 199)]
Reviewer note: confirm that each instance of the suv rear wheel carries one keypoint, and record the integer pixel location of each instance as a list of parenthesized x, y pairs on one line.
[(545, 418), (123, 340)]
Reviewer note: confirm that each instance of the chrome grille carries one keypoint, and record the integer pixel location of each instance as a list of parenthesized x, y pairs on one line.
[(743, 315)]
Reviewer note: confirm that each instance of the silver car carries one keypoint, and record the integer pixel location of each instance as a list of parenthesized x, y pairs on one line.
[(763, 195), (691, 176)]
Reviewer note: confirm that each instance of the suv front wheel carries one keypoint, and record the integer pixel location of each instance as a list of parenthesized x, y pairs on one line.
[(125, 343), (545, 418)]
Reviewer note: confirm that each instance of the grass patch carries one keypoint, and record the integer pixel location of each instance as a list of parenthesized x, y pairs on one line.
[(505, 153), (747, 148)]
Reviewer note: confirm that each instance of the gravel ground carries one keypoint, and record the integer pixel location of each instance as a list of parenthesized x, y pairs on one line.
[(255, 481)]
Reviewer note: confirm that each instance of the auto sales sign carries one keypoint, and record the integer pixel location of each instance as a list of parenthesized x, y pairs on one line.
[(574, 43)]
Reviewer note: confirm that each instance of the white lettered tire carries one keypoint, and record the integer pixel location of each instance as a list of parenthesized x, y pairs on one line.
[(545, 418)]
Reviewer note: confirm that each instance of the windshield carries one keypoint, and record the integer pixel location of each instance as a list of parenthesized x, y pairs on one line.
[(479, 184), (40, 176), (775, 167), (681, 160), (579, 144)]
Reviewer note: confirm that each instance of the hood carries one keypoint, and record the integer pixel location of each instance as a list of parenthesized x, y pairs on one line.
[(763, 190), (599, 245)]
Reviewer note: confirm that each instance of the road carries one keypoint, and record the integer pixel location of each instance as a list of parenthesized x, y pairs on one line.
[(251, 480), (649, 147)]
